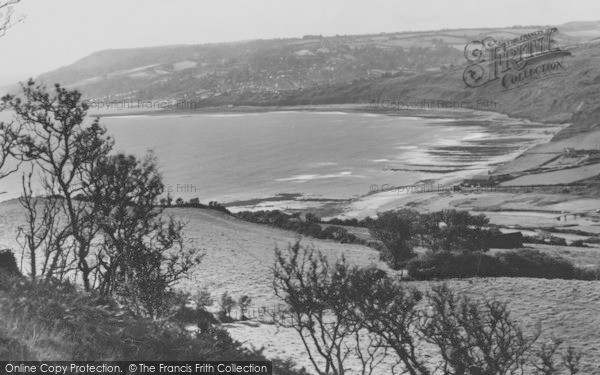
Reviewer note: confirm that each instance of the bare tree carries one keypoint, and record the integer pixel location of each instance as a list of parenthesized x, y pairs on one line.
[(341, 312), (10, 134), (317, 295), (66, 152), (44, 234), (548, 360), (387, 309), (475, 338), (7, 16), (98, 216)]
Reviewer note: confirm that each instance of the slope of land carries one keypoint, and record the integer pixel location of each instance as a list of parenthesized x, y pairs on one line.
[(280, 70), (239, 256)]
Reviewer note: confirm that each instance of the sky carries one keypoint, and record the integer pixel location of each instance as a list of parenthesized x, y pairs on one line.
[(56, 33)]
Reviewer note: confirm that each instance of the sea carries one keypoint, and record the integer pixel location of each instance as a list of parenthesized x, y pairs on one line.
[(230, 157)]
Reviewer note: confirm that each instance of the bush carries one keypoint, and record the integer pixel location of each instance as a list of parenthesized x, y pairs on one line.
[(202, 318), (533, 263), (227, 304), (579, 243), (309, 226), (521, 263), (546, 240), (447, 264), (61, 322), (203, 299), (12, 349), (8, 263), (396, 253), (243, 303)]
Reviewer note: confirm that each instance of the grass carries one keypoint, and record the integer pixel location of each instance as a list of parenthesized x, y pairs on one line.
[(239, 256), (59, 322)]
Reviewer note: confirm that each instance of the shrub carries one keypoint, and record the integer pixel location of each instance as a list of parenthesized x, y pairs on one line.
[(461, 231), (309, 227), (8, 263), (244, 302), (227, 304), (203, 299), (11, 349), (446, 264), (57, 320), (533, 263), (521, 263), (578, 243), (397, 252)]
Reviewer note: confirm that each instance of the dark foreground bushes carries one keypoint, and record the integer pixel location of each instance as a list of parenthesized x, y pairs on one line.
[(57, 322), (521, 263)]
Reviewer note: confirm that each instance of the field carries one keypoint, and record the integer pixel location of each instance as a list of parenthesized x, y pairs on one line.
[(239, 256), (242, 264), (565, 308)]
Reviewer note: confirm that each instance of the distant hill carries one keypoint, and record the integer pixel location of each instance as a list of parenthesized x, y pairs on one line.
[(262, 66), (272, 68), (345, 69)]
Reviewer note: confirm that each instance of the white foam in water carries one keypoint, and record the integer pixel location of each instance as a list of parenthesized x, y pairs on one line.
[(327, 113), (232, 115), (407, 147), (325, 164), (308, 177), (475, 136)]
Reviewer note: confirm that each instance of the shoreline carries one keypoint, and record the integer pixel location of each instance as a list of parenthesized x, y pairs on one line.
[(302, 201), (364, 108), (287, 201)]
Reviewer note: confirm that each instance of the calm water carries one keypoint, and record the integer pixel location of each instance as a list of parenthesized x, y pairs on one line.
[(330, 154)]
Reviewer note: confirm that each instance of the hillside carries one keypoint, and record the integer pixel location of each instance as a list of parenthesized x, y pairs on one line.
[(271, 69), (572, 96), (266, 67), (239, 257), (360, 69)]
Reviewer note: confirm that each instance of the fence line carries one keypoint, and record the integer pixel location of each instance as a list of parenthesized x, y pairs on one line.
[(264, 313)]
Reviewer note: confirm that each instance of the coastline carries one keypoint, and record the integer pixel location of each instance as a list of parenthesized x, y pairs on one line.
[(370, 202), (365, 108)]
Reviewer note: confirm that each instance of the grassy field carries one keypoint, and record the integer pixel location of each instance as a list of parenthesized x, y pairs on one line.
[(564, 308), (239, 256), (242, 254)]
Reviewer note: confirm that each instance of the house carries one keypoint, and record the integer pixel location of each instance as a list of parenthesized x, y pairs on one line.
[(486, 179), (480, 180)]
